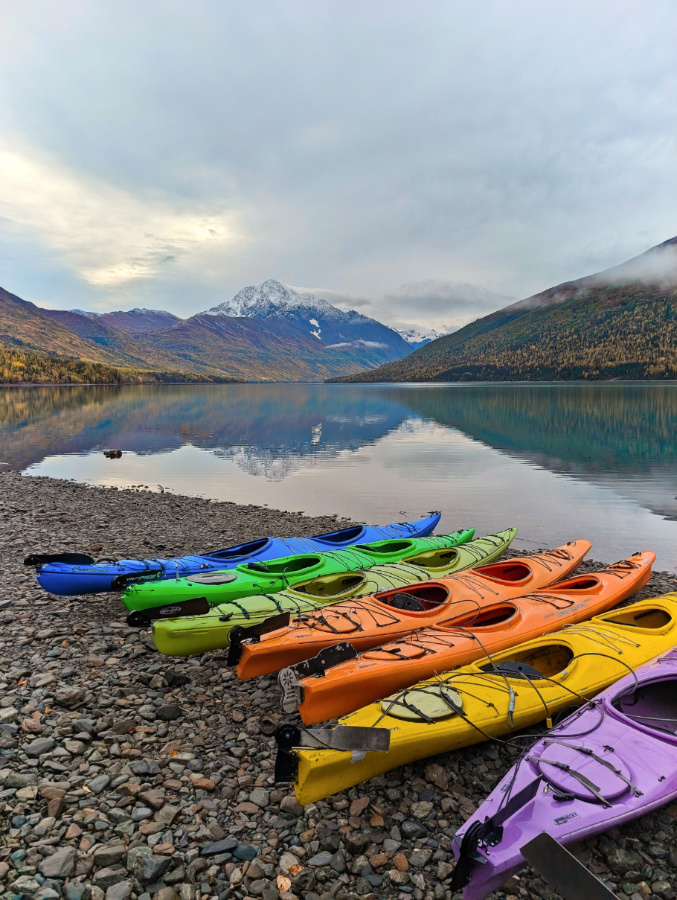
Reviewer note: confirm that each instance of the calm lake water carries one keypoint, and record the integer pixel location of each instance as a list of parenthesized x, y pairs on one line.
[(557, 461)]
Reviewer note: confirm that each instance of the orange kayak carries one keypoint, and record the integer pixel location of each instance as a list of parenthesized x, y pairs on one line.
[(460, 639), (387, 615)]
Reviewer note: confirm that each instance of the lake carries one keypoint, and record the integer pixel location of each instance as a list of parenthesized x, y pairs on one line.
[(559, 461)]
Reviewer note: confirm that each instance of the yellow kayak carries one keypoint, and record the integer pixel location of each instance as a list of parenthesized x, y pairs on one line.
[(189, 635), (487, 699)]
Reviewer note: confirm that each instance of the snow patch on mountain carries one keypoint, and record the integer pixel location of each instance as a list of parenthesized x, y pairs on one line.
[(272, 298), (419, 336), (358, 343)]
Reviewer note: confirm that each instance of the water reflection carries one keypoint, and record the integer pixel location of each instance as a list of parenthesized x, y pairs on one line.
[(560, 457)]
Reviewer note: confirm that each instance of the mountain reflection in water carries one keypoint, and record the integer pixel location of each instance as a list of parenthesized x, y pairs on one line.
[(484, 453)]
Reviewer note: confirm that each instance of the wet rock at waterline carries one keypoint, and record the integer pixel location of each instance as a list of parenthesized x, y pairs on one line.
[(127, 774)]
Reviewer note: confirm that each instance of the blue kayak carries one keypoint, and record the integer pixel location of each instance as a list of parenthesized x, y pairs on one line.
[(76, 573)]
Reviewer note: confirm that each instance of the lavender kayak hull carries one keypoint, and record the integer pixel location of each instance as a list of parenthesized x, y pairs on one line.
[(612, 761)]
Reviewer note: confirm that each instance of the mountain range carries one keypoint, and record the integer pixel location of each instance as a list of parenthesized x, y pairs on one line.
[(615, 324), (267, 332)]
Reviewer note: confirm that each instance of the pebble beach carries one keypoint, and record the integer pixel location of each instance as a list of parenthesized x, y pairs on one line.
[(128, 774)]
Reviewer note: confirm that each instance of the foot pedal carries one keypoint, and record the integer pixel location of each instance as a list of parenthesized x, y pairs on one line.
[(292, 690), (327, 658), (241, 635)]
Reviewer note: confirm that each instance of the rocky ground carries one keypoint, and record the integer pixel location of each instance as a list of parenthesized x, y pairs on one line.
[(126, 774)]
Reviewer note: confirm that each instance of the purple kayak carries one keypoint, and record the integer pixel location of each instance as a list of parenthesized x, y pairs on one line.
[(608, 763)]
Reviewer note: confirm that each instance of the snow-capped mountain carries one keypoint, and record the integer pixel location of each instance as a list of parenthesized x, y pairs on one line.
[(334, 327), (418, 337)]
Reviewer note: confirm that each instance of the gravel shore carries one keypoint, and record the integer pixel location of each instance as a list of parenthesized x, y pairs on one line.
[(126, 774)]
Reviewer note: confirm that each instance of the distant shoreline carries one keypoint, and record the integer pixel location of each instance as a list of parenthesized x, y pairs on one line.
[(572, 381)]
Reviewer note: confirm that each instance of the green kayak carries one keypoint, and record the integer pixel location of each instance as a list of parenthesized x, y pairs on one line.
[(196, 634), (152, 598)]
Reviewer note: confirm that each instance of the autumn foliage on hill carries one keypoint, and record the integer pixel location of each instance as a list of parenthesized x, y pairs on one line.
[(18, 366), (624, 331)]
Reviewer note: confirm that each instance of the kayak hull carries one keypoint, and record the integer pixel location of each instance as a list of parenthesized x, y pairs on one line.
[(498, 626), (632, 768), (67, 579), (193, 635), (577, 662), (376, 619)]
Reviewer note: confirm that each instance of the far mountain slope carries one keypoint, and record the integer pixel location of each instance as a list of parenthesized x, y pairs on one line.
[(621, 323), (301, 338), (139, 321)]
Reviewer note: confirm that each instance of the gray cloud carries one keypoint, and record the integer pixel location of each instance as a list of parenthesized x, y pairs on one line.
[(356, 146)]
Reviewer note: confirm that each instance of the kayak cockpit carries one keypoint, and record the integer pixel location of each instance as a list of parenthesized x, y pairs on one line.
[(653, 705), (385, 548), (292, 565), (331, 585), (587, 583), (506, 571), (434, 559), (417, 598), (241, 550), (345, 535), (485, 617), (643, 617), (542, 661)]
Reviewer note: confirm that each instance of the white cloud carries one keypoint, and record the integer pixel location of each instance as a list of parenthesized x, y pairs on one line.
[(106, 235), (359, 146)]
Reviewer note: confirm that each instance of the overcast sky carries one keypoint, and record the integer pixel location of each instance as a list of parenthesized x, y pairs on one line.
[(411, 159)]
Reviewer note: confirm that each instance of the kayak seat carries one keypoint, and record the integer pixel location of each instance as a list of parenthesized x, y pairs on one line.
[(548, 660), (406, 603), (417, 598)]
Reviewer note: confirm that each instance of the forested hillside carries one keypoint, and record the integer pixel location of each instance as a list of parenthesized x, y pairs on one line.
[(623, 331), (25, 366)]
